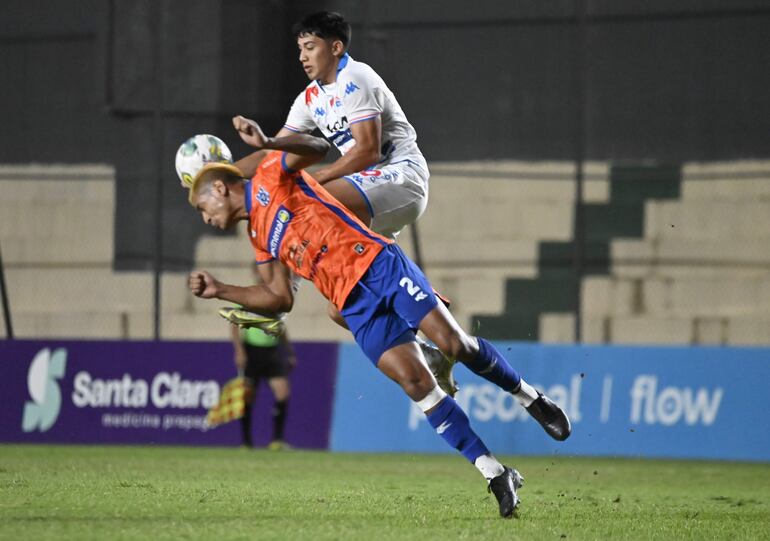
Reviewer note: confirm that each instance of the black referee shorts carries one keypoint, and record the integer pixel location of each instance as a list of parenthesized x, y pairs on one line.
[(265, 362)]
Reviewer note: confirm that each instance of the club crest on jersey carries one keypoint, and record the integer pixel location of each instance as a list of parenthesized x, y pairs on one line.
[(359, 248), (263, 196), (278, 229)]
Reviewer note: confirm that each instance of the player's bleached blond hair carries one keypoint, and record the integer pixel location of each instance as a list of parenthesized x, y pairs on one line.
[(227, 173)]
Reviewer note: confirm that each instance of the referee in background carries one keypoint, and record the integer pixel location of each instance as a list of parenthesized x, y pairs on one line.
[(258, 356)]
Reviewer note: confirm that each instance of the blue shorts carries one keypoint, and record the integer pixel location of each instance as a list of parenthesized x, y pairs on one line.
[(388, 303)]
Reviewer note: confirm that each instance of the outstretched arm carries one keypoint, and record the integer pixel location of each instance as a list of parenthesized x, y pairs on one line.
[(302, 150), (248, 164), (271, 298), (364, 154)]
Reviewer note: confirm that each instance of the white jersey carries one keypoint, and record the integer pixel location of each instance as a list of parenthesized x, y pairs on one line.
[(359, 94)]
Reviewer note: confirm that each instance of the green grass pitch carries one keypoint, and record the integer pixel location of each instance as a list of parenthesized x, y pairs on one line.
[(74, 492)]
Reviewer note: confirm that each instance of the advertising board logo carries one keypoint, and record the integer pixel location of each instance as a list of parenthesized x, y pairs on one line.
[(651, 404), (484, 403), (46, 368)]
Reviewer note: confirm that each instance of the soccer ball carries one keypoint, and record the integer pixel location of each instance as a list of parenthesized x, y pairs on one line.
[(198, 151)]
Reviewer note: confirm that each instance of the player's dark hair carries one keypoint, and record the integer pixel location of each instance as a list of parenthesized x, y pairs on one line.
[(325, 25)]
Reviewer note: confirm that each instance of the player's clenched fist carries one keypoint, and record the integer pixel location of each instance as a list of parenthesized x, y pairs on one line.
[(203, 285), (249, 131)]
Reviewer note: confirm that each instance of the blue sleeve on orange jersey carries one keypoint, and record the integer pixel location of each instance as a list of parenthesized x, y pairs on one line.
[(286, 167)]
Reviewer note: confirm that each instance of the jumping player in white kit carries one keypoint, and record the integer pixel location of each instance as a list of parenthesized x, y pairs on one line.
[(356, 111), (382, 176)]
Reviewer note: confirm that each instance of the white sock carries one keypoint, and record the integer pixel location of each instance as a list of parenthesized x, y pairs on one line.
[(489, 466), (526, 394)]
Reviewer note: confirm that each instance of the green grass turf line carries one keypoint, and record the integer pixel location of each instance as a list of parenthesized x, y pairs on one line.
[(80, 492)]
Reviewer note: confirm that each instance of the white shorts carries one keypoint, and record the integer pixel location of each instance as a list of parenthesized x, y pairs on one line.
[(396, 194)]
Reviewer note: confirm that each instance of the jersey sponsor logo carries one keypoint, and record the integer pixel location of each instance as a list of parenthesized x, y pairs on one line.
[(341, 137), (310, 93), (317, 260), (352, 87), (319, 111), (278, 230), (373, 177), (414, 291), (297, 253), (263, 196), (270, 160), (338, 126)]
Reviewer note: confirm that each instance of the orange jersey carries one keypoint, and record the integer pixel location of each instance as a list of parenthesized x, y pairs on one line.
[(292, 218)]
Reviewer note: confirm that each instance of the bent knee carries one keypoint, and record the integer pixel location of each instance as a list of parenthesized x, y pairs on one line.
[(417, 386), (457, 345)]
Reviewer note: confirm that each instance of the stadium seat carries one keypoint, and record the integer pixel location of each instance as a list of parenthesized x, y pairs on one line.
[(680, 256)]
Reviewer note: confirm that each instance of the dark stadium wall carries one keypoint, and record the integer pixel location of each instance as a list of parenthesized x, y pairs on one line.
[(80, 85), (669, 81), (663, 80)]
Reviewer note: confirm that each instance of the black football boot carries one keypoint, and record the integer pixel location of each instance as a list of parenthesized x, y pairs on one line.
[(504, 487), (551, 417)]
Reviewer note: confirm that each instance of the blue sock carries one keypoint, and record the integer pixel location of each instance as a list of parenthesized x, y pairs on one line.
[(453, 425), (492, 366)]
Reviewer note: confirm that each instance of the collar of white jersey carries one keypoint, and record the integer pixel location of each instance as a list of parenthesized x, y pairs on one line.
[(341, 66), (343, 62)]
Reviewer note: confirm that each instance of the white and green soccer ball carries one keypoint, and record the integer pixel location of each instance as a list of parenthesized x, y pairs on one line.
[(198, 151)]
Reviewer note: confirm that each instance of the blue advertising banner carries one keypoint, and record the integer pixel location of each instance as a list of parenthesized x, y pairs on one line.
[(688, 402), (148, 392)]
